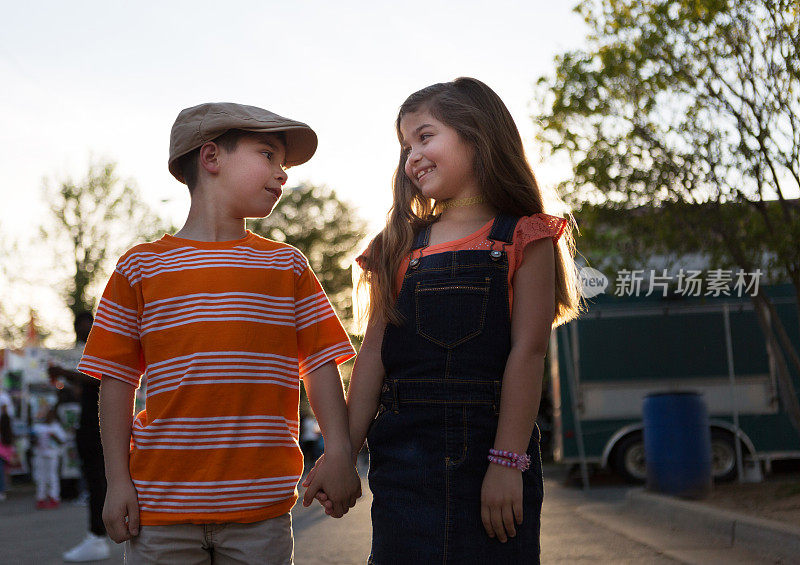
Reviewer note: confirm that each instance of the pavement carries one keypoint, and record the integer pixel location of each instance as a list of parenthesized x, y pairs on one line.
[(687, 531), (39, 537), (772, 541), (609, 523)]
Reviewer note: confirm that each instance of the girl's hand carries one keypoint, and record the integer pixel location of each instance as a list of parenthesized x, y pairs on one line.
[(313, 471), (321, 497), (501, 501)]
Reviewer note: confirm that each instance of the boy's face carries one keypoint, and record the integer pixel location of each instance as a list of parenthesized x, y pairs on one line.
[(252, 175)]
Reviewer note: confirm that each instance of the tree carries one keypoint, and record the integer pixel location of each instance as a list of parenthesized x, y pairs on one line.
[(690, 108), (94, 221), (327, 230), (12, 330)]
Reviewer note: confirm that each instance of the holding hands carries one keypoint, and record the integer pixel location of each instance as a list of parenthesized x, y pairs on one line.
[(334, 482)]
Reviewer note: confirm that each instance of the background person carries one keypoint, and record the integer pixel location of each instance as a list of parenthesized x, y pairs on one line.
[(48, 437), (87, 439), (8, 454)]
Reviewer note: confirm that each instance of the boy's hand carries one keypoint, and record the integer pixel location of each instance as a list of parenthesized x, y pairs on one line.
[(501, 501), (121, 511), (334, 482)]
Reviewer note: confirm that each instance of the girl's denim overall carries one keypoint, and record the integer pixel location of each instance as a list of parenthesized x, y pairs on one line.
[(438, 414)]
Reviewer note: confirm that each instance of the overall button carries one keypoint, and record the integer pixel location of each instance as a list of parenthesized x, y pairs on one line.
[(414, 262), (495, 254)]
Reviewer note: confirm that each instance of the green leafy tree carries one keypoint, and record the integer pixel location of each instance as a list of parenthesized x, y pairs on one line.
[(327, 231), (17, 291), (12, 330), (94, 220), (690, 111)]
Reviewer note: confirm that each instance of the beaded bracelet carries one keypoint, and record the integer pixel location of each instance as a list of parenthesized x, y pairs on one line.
[(510, 459)]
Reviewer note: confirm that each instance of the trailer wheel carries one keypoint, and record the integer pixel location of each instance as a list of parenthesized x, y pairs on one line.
[(723, 456), (629, 458)]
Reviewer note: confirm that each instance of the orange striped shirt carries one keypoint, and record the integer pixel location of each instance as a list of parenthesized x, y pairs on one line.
[(222, 332)]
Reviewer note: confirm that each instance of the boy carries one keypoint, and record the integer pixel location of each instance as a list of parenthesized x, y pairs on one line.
[(223, 323)]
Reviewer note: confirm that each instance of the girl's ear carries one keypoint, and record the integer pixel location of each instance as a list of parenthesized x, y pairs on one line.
[(209, 157)]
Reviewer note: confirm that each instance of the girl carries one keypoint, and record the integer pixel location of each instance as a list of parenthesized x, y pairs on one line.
[(465, 282)]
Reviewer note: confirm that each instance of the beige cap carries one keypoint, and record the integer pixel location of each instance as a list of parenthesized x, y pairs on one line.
[(200, 124)]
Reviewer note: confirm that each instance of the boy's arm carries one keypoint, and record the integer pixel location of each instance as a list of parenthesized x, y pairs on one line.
[(116, 419), (337, 477), (363, 394)]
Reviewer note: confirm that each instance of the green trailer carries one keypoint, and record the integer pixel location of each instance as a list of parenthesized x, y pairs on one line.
[(604, 364)]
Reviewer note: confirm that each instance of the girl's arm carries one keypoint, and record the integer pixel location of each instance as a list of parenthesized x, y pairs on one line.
[(365, 383), (531, 322)]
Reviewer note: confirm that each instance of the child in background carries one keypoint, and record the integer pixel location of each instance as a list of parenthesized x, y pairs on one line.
[(224, 324), (94, 546), (8, 455), (466, 281), (310, 438), (48, 438)]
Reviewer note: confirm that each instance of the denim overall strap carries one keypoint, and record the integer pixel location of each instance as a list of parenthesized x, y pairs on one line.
[(503, 228), (421, 239)]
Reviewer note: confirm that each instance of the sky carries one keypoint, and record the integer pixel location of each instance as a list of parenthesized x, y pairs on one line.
[(105, 80)]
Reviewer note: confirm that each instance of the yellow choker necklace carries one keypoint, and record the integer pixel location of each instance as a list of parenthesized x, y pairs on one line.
[(458, 202)]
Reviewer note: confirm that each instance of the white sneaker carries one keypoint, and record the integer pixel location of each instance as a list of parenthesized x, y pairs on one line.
[(92, 548)]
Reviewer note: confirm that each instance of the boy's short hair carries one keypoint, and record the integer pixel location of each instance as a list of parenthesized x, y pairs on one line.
[(189, 164), (200, 124)]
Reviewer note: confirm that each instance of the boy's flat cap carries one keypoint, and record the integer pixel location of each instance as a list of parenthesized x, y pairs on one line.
[(203, 123)]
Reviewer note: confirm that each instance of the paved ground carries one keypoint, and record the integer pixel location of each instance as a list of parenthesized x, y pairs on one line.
[(577, 527), (30, 536)]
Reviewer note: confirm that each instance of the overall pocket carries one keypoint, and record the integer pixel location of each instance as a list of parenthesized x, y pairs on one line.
[(450, 312)]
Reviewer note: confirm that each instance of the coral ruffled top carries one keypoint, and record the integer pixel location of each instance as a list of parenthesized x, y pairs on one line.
[(529, 229)]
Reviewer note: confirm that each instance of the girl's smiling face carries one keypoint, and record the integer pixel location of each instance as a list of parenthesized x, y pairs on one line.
[(438, 161)]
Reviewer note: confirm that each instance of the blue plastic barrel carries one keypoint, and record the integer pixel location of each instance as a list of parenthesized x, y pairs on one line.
[(677, 444)]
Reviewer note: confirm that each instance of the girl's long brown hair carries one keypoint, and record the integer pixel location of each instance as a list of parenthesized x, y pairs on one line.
[(479, 116)]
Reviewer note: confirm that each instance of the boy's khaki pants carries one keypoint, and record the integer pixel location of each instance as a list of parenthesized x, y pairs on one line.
[(269, 541)]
